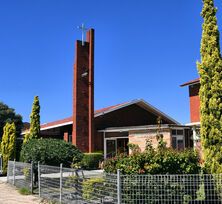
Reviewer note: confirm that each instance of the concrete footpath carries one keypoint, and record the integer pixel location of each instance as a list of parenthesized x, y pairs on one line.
[(10, 195)]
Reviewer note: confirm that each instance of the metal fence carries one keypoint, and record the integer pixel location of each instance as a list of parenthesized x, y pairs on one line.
[(185, 189), (1, 164), (20, 175), (64, 185)]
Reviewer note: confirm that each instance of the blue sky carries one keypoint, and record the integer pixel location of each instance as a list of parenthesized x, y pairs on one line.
[(144, 49)]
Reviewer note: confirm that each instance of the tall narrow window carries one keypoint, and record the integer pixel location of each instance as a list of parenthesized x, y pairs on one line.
[(178, 139)]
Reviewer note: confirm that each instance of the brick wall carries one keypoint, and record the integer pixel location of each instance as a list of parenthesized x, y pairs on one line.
[(194, 103), (140, 137)]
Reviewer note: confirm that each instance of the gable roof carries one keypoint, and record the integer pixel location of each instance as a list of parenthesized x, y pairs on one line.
[(140, 102), (194, 81)]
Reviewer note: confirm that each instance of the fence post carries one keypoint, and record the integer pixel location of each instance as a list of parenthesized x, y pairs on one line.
[(1, 170), (119, 196), (39, 179), (8, 171), (60, 193), (31, 176), (14, 172)]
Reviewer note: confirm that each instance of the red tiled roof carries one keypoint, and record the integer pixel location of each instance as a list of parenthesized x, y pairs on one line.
[(191, 82), (69, 119), (109, 108), (57, 122)]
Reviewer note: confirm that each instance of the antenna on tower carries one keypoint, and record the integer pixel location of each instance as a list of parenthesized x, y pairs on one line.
[(83, 29)]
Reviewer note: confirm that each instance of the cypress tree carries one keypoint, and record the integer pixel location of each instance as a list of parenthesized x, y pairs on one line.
[(8, 115), (34, 121), (210, 93), (8, 144)]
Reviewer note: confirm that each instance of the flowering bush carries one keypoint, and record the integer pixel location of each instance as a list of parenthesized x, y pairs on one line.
[(155, 161)]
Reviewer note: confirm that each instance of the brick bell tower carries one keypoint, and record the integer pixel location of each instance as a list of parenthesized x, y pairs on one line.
[(83, 94)]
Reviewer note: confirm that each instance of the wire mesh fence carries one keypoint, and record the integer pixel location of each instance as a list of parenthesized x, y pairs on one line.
[(66, 185), (20, 174), (156, 189)]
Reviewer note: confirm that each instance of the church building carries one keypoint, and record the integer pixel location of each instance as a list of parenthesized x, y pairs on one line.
[(110, 129)]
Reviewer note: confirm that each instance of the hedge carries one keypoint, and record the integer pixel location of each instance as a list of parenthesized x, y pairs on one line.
[(91, 160), (50, 152)]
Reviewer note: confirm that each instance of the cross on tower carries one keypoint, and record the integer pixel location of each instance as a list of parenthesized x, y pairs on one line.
[(83, 29)]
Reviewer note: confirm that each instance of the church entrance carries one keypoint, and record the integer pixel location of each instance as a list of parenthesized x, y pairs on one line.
[(114, 146)]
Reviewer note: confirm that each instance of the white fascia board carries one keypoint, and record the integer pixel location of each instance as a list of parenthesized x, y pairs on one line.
[(193, 124), (122, 129), (58, 125), (125, 129), (50, 127), (147, 105), (116, 108)]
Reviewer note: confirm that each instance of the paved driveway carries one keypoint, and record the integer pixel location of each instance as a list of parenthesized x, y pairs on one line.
[(9, 195)]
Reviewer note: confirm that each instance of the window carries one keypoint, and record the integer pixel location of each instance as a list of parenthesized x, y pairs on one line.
[(70, 139), (178, 139), (179, 132), (174, 142)]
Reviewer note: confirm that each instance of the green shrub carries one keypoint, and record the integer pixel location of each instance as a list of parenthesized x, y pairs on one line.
[(50, 152), (166, 161), (91, 160), (92, 188)]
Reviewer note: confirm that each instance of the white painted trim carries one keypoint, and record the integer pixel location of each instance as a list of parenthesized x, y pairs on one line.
[(179, 137), (104, 145), (192, 124), (147, 105), (59, 125), (194, 83), (50, 127), (111, 138), (116, 108), (140, 102), (126, 129)]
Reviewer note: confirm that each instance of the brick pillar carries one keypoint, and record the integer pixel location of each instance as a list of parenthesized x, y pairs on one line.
[(83, 94), (194, 103), (66, 136)]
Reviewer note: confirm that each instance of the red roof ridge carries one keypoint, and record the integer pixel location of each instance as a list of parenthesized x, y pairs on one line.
[(194, 81), (109, 108), (70, 119)]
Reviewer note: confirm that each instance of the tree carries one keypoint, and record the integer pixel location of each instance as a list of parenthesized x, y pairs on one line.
[(8, 144), (8, 115), (210, 93), (34, 121)]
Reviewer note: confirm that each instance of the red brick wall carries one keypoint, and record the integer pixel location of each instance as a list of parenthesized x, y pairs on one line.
[(194, 103), (66, 136), (98, 141), (83, 94)]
